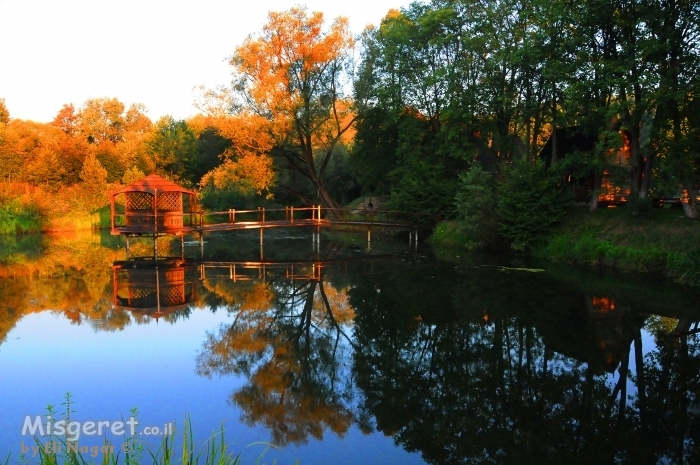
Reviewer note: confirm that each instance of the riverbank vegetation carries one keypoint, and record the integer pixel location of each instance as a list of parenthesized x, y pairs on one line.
[(492, 114)]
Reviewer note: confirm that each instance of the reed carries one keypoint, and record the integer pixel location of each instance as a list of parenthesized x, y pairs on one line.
[(214, 451)]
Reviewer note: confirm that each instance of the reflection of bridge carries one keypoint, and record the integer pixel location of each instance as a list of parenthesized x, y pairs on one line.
[(158, 288)]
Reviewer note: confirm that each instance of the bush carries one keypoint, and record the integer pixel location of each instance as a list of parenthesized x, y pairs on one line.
[(639, 207), (529, 201), (475, 204)]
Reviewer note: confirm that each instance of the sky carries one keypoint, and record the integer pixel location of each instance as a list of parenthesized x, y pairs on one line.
[(154, 52)]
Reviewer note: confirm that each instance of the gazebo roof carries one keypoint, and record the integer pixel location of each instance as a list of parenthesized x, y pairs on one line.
[(150, 183)]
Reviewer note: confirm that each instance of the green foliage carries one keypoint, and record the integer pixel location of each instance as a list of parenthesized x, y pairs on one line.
[(15, 219), (374, 152), (530, 200), (662, 242), (214, 199), (131, 175), (640, 207), (174, 147), (475, 203)]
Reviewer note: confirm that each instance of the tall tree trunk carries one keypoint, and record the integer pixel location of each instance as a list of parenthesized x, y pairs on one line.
[(646, 177), (689, 200), (597, 181), (555, 154)]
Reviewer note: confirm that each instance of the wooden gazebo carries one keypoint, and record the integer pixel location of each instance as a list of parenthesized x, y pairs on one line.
[(153, 205)]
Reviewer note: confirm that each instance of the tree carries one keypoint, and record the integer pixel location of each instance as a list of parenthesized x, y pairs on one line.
[(173, 146), (94, 184), (288, 96), (131, 175), (528, 202), (67, 119), (4, 113)]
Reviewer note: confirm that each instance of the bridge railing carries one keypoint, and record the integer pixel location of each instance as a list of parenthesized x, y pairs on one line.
[(317, 213), (172, 222), (371, 216), (260, 215)]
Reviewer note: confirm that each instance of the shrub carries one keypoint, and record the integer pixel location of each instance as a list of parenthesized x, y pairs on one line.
[(475, 204), (529, 201)]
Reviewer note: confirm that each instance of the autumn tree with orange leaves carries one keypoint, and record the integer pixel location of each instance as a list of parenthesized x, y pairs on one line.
[(289, 98)]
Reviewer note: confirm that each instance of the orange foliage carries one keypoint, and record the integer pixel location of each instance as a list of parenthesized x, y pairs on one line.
[(286, 93), (342, 312)]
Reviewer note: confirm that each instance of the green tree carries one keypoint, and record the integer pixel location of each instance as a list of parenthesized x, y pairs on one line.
[(131, 175), (475, 203), (173, 146), (529, 200)]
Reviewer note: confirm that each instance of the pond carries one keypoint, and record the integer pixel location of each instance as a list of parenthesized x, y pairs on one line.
[(343, 354)]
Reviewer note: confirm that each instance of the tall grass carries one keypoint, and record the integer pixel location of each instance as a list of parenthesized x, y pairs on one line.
[(25, 208), (134, 450), (663, 243)]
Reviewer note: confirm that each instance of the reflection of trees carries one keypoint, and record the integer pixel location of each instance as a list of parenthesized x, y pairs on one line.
[(290, 341), (491, 378)]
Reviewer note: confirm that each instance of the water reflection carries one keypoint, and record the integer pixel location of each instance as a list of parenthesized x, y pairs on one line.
[(459, 361), (153, 289), (518, 374)]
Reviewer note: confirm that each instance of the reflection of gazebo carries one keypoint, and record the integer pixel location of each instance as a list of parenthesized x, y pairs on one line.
[(152, 290), (153, 205)]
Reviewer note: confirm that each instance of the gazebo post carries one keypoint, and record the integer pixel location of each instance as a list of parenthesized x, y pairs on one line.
[(111, 202), (155, 224)]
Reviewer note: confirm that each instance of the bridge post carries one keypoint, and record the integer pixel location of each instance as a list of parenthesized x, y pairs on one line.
[(291, 213), (182, 246), (201, 245), (127, 247)]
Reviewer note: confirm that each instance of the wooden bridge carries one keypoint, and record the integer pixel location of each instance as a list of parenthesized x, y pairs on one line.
[(261, 218), (154, 206)]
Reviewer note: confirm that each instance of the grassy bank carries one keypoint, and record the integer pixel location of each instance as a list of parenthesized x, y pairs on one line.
[(25, 208), (662, 242)]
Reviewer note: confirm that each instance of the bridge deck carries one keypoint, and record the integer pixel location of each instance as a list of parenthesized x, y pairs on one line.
[(243, 225)]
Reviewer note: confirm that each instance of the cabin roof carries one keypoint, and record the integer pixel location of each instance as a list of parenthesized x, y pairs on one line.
[(152, 182)]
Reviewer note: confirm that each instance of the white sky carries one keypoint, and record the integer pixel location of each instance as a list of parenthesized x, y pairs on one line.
[(154, 52)]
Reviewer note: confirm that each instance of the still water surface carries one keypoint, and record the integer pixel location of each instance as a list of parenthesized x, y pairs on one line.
[(343, 355)]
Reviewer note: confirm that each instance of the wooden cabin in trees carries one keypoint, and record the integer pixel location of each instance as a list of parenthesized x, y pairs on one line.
[(152, 206), (613, 183)]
